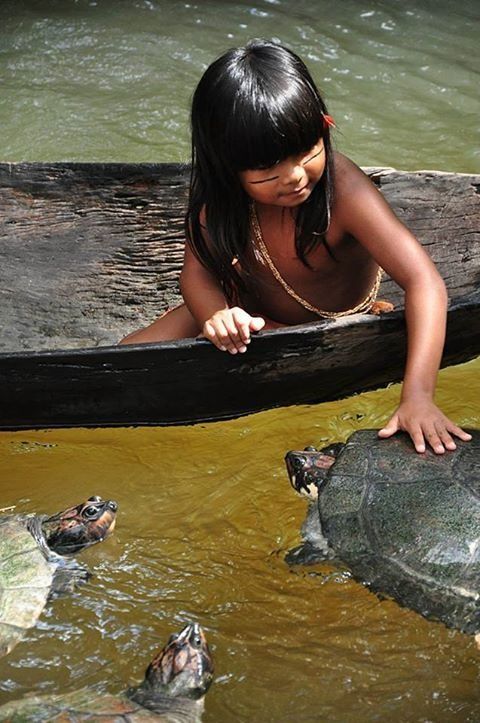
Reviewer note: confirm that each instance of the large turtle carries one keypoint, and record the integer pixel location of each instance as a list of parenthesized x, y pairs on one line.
[(173, 690), (35, 560), (406, 524)]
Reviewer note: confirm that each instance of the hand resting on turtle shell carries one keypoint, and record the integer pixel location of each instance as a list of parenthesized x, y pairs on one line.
[(405, 524)]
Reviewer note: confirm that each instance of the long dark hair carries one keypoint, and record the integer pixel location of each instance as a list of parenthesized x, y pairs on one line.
[(254, 106)]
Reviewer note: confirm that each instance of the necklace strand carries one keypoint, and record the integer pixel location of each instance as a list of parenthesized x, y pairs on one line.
[(260, 247)]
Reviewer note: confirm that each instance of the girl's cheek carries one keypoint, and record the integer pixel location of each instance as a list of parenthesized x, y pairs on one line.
[(262, 195)]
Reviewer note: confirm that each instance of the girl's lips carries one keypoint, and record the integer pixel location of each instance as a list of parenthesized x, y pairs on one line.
[(292, 194), (297, 192)]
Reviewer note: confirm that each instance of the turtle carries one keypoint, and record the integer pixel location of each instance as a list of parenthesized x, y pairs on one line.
[(173, 690), (36, 560), (406, 524)]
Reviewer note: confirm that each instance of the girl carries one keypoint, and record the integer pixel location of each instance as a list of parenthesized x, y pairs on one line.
[(282, 230)]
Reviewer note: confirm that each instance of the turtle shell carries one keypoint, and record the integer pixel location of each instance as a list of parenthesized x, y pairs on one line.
[(83, 704), (33, 562), (87, 704), (25, 580), (408, 524)]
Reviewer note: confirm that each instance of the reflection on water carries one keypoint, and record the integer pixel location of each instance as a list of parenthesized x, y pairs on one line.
[(206, 515), (111, 80)]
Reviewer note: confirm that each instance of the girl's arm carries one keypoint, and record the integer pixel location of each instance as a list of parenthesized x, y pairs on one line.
[(364, 213), (228, 328)]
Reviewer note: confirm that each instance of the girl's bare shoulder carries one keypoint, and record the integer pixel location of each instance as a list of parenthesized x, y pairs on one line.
[(360, 210), (348, 176), (355, 195)]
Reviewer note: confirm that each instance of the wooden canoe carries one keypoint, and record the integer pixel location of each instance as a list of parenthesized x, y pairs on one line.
[(89, 252)]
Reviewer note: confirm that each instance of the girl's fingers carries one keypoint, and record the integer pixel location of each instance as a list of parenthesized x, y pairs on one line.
[(446, 438), (418, 440), (231, 329), (243, 329), (218, 334), (211, 333), (246, 323), (229, 335), (236, 339), (257, 323), (433, 439), (233, 342), (427, 425), (448, 430), (458, 432), (390, 428), (444, 431)]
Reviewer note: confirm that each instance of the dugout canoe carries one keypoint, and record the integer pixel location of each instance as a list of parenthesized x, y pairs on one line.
[(89, 252)]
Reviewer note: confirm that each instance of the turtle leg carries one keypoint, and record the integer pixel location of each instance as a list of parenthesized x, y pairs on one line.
[(307, 554), (314, 547)]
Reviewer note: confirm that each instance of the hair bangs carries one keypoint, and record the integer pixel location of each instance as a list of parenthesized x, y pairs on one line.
[(265, 130)]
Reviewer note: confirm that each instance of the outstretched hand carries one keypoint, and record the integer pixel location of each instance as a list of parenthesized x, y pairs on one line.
[(424, 422), (230, 329)]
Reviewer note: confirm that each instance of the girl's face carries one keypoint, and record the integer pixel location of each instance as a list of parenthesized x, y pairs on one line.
[(289, 182)]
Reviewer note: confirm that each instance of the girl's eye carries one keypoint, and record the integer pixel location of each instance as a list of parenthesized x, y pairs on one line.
[(312, 157), (267, 168)]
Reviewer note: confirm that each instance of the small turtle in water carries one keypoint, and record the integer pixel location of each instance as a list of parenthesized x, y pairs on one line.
[(173, 690), (33, 562), (406, 524)]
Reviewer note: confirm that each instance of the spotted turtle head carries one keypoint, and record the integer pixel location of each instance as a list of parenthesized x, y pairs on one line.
[(184, 667), (72, 530), (308, 469)]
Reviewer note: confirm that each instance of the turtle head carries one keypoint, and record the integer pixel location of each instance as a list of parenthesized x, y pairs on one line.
[(308, 469), (183, 668), (68, 532)]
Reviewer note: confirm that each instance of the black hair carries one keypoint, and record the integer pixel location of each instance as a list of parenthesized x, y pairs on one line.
[(254, 106)]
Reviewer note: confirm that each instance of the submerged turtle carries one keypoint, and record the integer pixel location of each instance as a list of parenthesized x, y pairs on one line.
[(34, 560), (406, 524), (173, 690)]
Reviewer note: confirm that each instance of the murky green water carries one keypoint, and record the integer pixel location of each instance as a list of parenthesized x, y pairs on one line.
[(112, 79), (206, 513)]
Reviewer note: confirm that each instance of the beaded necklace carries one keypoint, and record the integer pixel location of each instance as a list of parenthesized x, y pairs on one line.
[(262, 252)]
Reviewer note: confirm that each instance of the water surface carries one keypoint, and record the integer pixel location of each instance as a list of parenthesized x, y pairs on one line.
[(112, 80), (206, 512), (206, 516)]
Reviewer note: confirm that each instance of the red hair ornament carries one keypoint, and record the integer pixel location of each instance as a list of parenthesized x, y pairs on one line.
[(328, 121)]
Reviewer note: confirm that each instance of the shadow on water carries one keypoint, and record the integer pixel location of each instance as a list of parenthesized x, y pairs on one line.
[(206, 515)]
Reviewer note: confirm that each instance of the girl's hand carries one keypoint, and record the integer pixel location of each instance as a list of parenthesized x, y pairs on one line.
[(230, 329), (424, 421)]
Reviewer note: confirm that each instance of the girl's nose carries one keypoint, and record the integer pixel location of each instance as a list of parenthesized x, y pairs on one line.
[(294, 175)]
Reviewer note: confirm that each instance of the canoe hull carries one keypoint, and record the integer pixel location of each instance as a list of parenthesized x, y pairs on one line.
[(89, 252), (191, 381)]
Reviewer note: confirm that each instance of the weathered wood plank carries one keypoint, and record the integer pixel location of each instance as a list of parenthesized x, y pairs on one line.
[(89, 252), (190, 381)]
